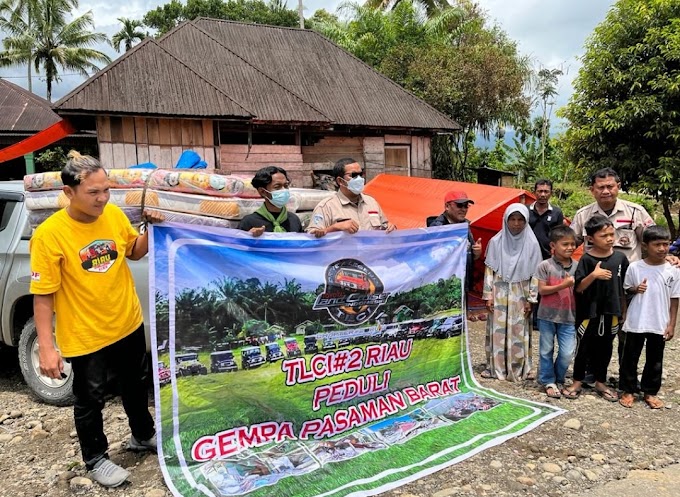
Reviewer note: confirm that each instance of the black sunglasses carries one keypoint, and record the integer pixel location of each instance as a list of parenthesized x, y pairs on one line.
[(355, 174)]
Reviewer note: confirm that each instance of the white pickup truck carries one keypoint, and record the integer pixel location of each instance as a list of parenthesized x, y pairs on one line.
[(17, 327)]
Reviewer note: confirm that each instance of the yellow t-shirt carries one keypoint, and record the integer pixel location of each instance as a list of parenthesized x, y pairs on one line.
[(84, 266)]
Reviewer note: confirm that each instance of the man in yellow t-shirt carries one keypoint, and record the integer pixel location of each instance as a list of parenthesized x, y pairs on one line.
[(79, 272)]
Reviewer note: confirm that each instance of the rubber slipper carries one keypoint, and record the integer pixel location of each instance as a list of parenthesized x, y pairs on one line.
[(531, 375), (486, 374), (627, 400), (552, 391), (653, 402), (607, 394), (571, 394)]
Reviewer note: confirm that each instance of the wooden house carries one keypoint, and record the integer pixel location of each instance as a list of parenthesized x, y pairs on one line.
[(244, 96)]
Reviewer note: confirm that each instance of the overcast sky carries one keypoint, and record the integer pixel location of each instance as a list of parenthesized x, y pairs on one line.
[(552, 32)]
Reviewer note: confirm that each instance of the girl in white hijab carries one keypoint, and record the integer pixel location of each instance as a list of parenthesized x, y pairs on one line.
[(510, 289)]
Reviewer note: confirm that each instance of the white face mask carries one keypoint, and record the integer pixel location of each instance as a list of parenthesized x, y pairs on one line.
[(356, 185)]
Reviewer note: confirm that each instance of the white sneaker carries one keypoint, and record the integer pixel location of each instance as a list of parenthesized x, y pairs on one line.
[(142, 445), (108, 473)]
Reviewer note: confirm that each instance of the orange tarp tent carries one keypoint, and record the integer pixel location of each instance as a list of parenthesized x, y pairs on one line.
[(408, 201)]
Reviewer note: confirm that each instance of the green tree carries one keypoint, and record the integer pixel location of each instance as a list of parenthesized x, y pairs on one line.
[(455, 61), (169, 15), (624, 110), (546, 89), (53, 42), (128, 34)]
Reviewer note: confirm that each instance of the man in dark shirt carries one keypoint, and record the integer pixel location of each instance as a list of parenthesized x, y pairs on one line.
[(273, 186), (543, 216), (456, 204)]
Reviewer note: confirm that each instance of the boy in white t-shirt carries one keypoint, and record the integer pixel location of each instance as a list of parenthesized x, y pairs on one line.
[(651, 317)]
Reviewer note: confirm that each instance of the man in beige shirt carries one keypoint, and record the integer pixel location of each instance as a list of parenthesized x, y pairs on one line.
[(629, 219), (349, 210)]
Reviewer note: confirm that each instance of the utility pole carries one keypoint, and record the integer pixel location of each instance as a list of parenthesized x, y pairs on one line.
[(302, 19)]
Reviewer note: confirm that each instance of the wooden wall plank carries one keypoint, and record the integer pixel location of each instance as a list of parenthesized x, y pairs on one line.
[(166, 158), (130, 154), (128, 124), (164, 132), (106, 154), (142, 153), (175, 132), (153, 133), (104, 129), (208, 134), (398, 139), (186, 133), (197, 133), (141, 135), (175, 154), (155, 155), (118, 156)]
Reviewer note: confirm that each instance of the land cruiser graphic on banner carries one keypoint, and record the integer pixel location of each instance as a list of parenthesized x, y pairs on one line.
[(99, 256), (353, 292), (319, 367)]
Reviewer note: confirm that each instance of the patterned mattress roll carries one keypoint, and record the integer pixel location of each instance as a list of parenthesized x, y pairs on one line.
[(226, 208), (198, 183), (118, 178), (128, 178), (249, 191), (50, 180), (308, 198), (183, 217), (35, 217), (50, 199)]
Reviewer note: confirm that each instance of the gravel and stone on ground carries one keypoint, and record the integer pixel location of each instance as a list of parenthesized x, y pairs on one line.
[(588, 451)]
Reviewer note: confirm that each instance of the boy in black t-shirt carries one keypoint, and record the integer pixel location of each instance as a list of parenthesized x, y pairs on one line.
[(600, 306)]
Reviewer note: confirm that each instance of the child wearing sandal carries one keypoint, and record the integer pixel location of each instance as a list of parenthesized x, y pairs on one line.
[(651, 317), (556, 310), (510, 289), (600, 306)]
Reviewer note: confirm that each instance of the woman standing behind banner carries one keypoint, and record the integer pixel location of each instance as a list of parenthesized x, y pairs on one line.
[(510, 289), (273, 186)]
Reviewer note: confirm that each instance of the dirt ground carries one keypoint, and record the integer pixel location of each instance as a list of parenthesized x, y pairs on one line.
[(578, 453)]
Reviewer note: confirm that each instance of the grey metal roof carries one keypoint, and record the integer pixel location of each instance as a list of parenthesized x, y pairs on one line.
[(21, 110), (270, 74)]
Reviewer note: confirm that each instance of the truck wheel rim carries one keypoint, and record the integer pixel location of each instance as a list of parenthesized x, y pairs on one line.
[(50, 382)]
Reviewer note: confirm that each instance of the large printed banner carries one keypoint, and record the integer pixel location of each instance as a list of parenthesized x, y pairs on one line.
[(293, 366)]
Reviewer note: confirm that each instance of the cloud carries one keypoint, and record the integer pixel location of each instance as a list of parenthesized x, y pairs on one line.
[(552, 33)]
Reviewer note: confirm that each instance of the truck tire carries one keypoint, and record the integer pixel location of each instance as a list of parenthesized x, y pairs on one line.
[(47, 390)]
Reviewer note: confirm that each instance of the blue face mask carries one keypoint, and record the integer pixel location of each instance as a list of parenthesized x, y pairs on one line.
[(279, 197), (356, 185)]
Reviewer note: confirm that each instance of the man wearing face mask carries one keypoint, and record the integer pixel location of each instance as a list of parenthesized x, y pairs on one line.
[(349, 210), (273, 186)]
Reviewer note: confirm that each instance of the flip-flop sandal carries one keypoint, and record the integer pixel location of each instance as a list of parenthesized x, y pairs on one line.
[(653, 402), (571, 394), (552, 391), (607, 394), (486, 374), (627, 400), (531, 375)]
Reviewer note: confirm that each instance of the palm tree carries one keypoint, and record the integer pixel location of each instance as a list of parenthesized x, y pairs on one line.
[(128, 34), (52, 42), (431, 7), (16, 18)]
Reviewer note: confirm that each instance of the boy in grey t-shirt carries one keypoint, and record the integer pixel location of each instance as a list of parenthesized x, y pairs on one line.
[(556, 310)]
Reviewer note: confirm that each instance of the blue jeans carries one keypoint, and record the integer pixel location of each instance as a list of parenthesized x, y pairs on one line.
[(553, 370)]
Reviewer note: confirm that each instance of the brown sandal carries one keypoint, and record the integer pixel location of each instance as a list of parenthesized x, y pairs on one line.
[(653, 402), (627, 400)]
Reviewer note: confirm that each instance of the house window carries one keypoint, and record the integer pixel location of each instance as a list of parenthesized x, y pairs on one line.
[(398, 159), (231, 136)]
